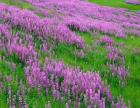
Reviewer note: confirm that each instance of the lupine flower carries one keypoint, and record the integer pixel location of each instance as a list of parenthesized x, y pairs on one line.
[(42, 27), (25, 103), (67, 106), (90, 17), (49, 104), (75, 81), (112, 55), (107, 40), (20, 101)]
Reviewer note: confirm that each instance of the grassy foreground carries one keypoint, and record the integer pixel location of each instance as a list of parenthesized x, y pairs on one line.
[(95, 60)]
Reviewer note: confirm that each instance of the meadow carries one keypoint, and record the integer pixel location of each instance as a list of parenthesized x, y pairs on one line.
[(69, 54)]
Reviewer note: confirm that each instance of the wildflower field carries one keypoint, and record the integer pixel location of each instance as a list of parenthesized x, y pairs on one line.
[(69, 54)]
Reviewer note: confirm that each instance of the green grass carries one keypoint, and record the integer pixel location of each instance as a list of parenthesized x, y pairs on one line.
[(94, 60), (33, 99), (132, 90), (17, 3), (117, 4)]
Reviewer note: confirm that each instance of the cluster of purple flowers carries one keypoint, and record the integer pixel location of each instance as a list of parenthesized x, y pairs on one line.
[(113, 53), (17, 98), (30, 22), (87, 24), (85, 16), (65, 82), (107, 40), (116, 61), (77, 86), (120, 71)]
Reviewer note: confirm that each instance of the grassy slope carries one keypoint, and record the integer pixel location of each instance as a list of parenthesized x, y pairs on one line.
[(132, 90), (33, 99), (117, 3), (17, 3), (94, 61)]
